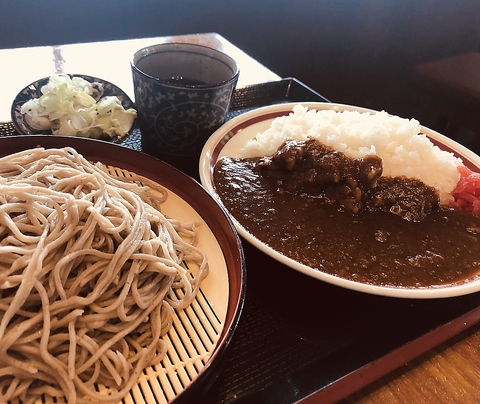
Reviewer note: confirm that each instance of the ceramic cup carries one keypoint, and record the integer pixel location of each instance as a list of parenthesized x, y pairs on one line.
[(182, 95)]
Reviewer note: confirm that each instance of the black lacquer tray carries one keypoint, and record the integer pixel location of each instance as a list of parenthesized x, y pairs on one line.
[(300, 339)]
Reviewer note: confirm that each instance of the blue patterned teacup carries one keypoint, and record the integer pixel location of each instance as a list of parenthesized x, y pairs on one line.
[(182, 94)]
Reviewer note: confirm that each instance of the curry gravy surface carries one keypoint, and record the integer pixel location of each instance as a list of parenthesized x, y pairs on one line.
[(374, 247)]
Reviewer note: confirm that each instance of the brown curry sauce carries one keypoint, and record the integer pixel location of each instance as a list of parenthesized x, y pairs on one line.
[(407, 243)]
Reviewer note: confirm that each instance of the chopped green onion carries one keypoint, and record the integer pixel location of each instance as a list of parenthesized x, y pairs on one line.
[(71, 107)]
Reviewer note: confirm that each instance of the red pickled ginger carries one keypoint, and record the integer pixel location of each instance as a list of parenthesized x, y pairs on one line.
[(467, 192)]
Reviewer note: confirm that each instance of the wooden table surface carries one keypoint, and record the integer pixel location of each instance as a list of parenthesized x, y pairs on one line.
[(448, 373)]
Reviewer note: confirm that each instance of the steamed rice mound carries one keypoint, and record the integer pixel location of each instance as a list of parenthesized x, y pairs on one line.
[(404, 150)]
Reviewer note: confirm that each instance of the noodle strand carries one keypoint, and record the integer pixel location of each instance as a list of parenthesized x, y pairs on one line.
[(90, 272)]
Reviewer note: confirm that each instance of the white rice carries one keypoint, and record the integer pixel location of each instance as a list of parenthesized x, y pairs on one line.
[(397, 141)]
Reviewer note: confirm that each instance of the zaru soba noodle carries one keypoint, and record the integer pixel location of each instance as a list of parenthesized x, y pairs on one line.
[(90, 272)]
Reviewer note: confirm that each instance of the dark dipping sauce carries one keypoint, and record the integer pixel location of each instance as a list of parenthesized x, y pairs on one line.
[(369, 245)]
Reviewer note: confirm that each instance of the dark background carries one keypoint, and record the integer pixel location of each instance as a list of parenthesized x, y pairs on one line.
[(353, 52)]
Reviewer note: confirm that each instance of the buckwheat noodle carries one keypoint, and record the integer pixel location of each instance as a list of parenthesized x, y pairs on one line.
[(90, 271)]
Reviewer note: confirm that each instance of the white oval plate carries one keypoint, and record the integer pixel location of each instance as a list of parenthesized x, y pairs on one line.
[(233, 135)]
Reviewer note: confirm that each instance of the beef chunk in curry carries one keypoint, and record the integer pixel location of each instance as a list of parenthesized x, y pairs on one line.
[(311, 168)]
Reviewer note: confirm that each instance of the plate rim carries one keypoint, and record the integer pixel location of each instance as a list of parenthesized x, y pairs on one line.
[(221, 137)]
